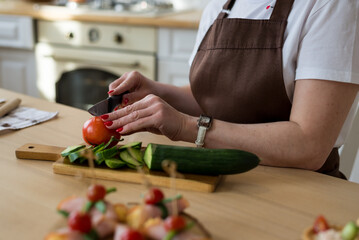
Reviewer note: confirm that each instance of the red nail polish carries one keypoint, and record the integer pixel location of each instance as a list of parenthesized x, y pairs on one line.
[(111, 91), (125, 101), (104, 117), (109, 123), (119, 129)]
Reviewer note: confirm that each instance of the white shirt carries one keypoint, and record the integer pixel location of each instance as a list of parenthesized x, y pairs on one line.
[(321, 40)]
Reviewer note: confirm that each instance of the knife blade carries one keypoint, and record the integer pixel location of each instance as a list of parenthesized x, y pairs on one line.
[(105, 106)]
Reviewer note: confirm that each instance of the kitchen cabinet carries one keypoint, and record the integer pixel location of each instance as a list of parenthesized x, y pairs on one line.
[(175, 47), (17, 58)]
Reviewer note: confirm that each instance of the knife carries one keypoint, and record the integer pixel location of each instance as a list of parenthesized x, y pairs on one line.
[(106, 106)]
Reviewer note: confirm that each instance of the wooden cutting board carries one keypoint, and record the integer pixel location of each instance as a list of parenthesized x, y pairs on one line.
[(199, 183)]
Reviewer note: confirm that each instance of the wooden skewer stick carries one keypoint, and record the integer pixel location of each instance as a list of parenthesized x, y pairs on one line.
[(170, 168)]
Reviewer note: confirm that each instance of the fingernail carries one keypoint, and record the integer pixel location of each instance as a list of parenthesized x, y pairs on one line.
[(119, 129), (125, 101), (109, 123), (116, 108), (104, 117), (111, 91)]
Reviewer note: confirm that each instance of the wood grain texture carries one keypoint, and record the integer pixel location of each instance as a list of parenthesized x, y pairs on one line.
[(265, 203), (191, 182), (39, 152)]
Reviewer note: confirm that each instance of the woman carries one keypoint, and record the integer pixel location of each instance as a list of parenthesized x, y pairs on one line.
[(279, 78)]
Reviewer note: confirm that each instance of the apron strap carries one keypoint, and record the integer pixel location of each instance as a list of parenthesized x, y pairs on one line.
[(282, 9), (227, 7)]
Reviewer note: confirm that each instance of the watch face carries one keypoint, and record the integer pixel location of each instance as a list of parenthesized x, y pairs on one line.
[(204, 121)]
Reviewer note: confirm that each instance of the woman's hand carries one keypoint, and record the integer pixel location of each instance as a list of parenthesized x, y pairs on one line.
[(148, 114), (136, 84)]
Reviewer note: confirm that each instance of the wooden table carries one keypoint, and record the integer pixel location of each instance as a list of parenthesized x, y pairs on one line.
[(265, 203)]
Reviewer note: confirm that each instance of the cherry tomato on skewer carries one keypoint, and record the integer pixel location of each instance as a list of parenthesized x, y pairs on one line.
[(131, 234), (80, 222), (320, 224), (154, 196), (174, 223), (96, 192)]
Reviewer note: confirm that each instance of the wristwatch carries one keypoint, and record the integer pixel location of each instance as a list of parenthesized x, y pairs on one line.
[(204, 123)]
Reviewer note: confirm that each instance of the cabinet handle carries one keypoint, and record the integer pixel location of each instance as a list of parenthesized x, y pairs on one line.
[(118, 38), (135, 64), (69, 36)]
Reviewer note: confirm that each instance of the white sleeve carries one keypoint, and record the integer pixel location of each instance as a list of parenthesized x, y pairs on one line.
[(209, 15), (329, 46)]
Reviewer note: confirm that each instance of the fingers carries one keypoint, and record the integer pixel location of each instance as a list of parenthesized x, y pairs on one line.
[(127, 82), (116, 83), (130, 98), (134, 117)]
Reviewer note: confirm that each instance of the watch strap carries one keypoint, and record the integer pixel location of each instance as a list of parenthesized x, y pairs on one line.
[(200, 136)]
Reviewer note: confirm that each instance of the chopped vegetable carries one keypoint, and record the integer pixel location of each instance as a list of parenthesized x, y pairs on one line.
[(175, 223), (350, 231), (320, 224), (80, 222), (153, 196), (96, 192)]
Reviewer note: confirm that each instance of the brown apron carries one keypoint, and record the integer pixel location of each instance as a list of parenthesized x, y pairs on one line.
[(237, 74)]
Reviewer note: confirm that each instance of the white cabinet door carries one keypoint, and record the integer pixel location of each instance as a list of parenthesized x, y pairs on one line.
[(173, 72), (17, 71), (174, 50)]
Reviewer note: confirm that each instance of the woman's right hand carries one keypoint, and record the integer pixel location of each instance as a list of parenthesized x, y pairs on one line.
[(137, 85)]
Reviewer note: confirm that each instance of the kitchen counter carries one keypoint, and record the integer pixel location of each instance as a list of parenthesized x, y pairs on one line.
[(185, 19), (265, 203)]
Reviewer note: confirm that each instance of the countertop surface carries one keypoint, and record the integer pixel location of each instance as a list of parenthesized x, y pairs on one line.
[(181, 19), (264, 203)]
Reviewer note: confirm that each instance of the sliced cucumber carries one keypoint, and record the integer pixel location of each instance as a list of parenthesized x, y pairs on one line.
[(71, 149), (98, 147), (136, 145), (114, 163), (200, 160), (100, 156), (131, 162), (136, 154)]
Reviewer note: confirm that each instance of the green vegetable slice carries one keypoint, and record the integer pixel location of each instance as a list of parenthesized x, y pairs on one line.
[(170, 235), (71, 149), (350, 231), (136, 154), (114, 163), (136, 145), (131, 162), (101, 156)]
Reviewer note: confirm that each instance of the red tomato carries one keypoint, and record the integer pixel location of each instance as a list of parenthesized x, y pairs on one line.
[(154, 196), (96, 192), (320, 224), (131, 234), (95, 132), (174, 223), (79, 222)]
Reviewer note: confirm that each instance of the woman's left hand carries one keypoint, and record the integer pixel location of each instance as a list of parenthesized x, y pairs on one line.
[(148, 114)]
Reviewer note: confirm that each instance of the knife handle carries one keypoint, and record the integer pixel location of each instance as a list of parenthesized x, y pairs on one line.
[(39, 152)]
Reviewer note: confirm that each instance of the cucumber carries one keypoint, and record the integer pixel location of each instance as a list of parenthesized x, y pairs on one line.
[(200, 160), (105, 154), (130, 161), (114, 163), (71, 149), (136, 145), (136, 154)]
